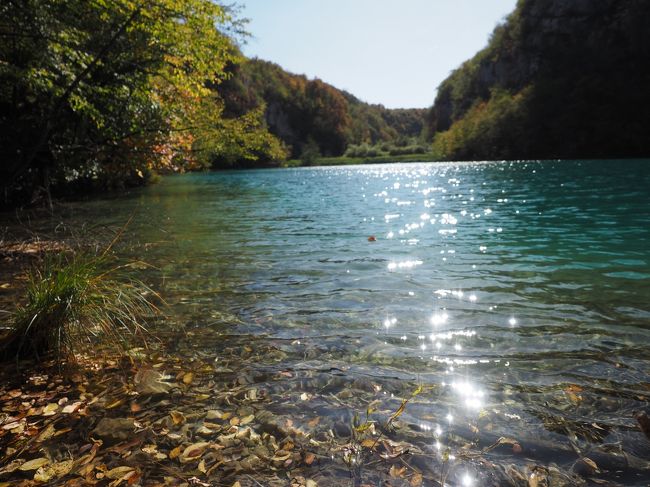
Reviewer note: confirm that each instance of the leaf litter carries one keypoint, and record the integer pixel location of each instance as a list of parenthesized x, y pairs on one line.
[(157, 418)]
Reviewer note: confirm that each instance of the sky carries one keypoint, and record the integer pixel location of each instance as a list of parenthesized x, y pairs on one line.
[(382, 51)]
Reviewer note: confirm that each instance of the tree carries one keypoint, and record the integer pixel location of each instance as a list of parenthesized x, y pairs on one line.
[(90, 89)]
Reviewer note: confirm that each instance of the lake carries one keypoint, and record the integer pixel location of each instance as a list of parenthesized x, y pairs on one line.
[(516, 293)]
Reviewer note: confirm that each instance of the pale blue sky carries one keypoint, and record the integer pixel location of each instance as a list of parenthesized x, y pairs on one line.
[(382, 51)]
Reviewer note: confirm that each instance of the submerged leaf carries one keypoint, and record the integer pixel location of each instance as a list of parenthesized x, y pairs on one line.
[(54, 471), (119, 472), (397, 472), (193, 452), (34, 464), (177, 417)]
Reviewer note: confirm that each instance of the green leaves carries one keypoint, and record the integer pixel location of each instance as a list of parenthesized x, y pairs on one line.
[(106, 90)]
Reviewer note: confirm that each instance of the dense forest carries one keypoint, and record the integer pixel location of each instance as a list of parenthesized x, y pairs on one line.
[(95, 95), (558, 79), (313, 116)]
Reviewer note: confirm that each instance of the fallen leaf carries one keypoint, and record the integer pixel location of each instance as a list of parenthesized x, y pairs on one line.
[(213, 414), (50, 409), (574, 398), (12, 466), (591, 463), (193, 452), (309, 458), (175, 452), (281, 455), (11, 426), (397, 472), (115, 404), (188, 378), (247, 419), (416, 480), (34, 464), (177, 417), (119, 472), (71, 408), (573, 388), (54, 471)]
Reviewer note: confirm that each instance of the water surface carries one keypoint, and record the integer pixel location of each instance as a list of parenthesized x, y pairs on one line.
[(517, 292)]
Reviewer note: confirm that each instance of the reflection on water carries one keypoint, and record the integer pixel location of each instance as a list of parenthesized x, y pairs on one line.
[(519, 292)]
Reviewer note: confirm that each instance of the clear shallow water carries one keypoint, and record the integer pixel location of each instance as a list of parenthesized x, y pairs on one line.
[(520, 292)]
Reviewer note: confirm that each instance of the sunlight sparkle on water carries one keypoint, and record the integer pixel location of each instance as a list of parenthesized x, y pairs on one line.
[(467, 480), (388, 322), (439, 319), (406, 264), (469, 394)]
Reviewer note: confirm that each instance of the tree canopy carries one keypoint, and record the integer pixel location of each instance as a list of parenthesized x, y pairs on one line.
[(100, 92)]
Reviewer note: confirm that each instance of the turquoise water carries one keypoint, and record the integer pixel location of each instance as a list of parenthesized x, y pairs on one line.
[(518, 291)]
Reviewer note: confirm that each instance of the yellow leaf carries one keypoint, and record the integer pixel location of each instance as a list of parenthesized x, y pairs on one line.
[(118, 472), (188, 378), (34, 464), (247, 419), (54, 471), (175, 452), (50, 409), (115, 404), (177, 417)]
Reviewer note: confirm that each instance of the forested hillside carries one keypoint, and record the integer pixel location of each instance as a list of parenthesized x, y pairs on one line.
[(97, 95), (558, 79), (311, 115)]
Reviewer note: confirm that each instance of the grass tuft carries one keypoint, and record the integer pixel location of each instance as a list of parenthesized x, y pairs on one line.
[(72, 301)]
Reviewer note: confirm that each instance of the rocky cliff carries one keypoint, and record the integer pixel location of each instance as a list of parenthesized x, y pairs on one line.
[(558, 79)]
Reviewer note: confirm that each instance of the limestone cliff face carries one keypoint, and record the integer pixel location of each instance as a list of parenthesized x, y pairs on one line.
[(585, 65)]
